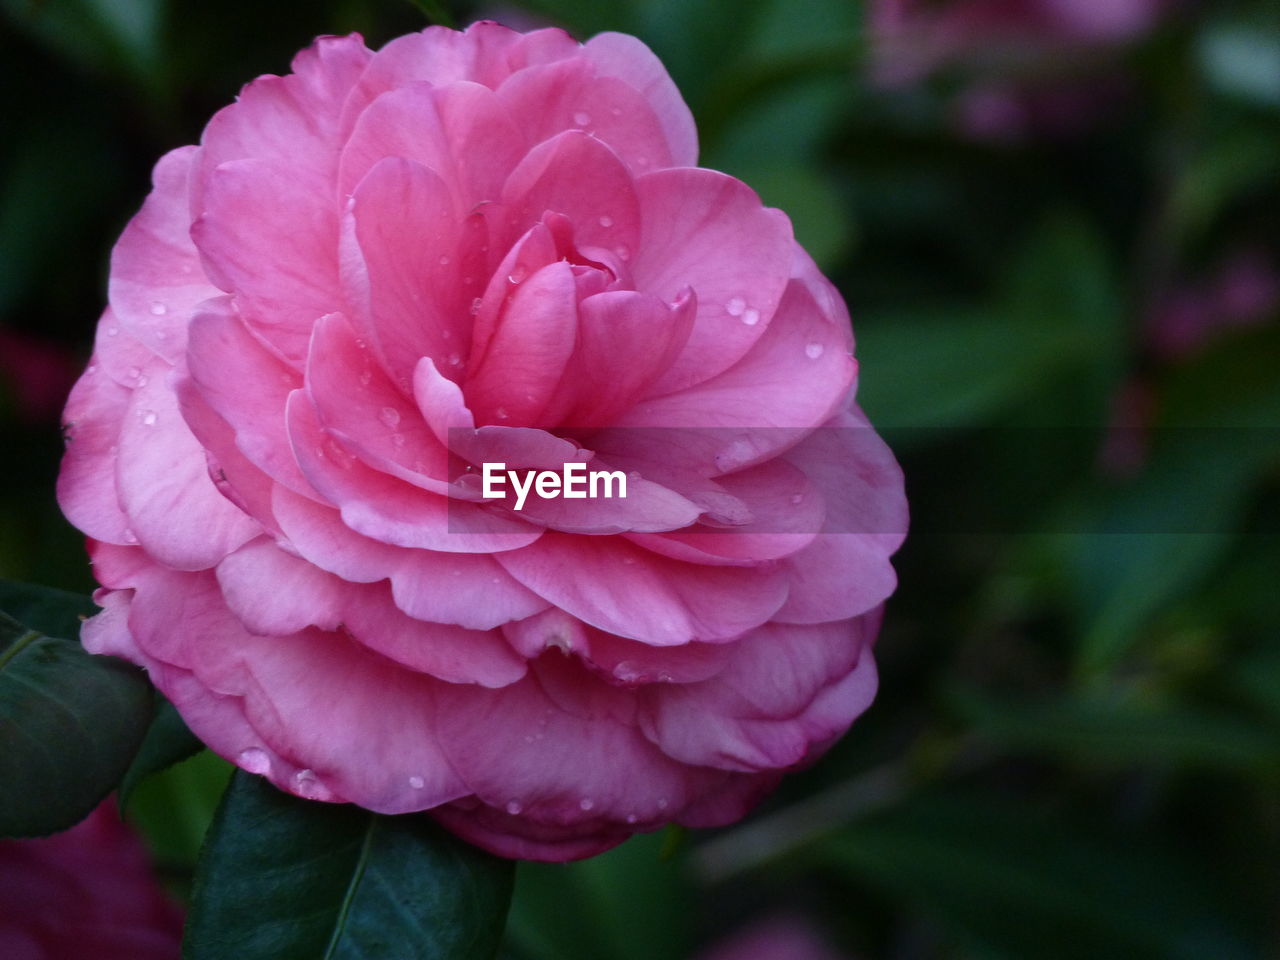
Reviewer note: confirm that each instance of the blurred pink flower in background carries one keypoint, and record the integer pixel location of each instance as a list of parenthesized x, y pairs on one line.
[(88, 893), (1242, 291), (783, 937), (36, 375), (1033, 67)]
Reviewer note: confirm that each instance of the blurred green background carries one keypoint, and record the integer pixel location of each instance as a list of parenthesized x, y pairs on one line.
[(1061, 246)]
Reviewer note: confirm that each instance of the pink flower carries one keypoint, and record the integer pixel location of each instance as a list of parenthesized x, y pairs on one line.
[(386, 269), (88, 892)]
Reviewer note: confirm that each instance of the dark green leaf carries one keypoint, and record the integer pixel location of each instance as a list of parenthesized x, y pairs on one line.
[(632, 905), (1099, 730), (70, 723), (56, 613), (284, 877), (1013, 882), (168, 741)]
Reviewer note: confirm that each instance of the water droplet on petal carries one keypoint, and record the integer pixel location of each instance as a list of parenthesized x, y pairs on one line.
[(158, 309), (142, 381), (130, 536), (254, 760), (514, 807), (735, 306), (444, 261), (92, 369), (389, 416), (149, 418), (366, 376), (398, 439), (501, 413), (586, 803), (476, 304), (663, 803), (796, 498), (455, 359), (624, 254), (307, 785), (581, 119), (161, 335), (134, 373), (814, 350), (632, 818), (606, 222), (751, 316), (112, 331), (517, 274), (417, 783)]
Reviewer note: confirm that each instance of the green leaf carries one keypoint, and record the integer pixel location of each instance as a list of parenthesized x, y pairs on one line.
[(168, 741), (174, 808), (1059, 316), (1100, 731), (632, 904), (70, 722), (285, 877), (57, 613), (1012, 882)]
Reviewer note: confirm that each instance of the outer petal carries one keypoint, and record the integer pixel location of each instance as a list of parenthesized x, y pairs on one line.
[(173, 507), (271, 238), (846, 570), (772, 701), (625, 57), (86, 483), (156, 275), (471, 590), (569, 95), (618, 587), (708, 231)]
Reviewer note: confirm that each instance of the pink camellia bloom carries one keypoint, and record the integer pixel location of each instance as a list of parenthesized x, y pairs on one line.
[(385, 270), (86, 893)]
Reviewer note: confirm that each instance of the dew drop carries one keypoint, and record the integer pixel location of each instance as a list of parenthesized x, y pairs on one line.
[(142, 381), (632, 818), (616, 111), (161, 335), (307, 784), (92, 369), (751, 316), (663, 803), (417, 783), (149, 418), (501, 413), (366, 376), (130, 536), (444, 261), (517, 274), (455, 359), (814, 350), (254, 760), (389, 416), (606, 221), (134, 373), (735, 306), (476, 304), (796, 498), (398, 439), (514, 807), (112, 331), (581, 119), (158, 309), (586, 803), (624, 254)]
